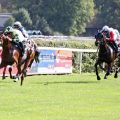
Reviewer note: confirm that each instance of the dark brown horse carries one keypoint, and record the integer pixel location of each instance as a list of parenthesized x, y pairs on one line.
[(105, 55)]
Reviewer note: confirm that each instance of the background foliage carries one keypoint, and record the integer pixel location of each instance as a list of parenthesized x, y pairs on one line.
[(64, 16), (109, 11), (88, 59), (68, 17)]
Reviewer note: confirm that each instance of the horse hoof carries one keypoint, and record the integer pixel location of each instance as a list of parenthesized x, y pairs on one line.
[(115, 76), (15, 80), (98, 78), (3, 78), (13, 77)]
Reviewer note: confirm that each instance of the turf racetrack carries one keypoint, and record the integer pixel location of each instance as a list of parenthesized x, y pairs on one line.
[(60, 97)]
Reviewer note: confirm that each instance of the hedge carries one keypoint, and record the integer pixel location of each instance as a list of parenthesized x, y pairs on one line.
[(88, 58)]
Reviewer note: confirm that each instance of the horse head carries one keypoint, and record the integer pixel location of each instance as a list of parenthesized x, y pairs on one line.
[(100, 39), (5, 40)]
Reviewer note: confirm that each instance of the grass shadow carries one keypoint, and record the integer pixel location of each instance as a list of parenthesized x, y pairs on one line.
[(67, 82)]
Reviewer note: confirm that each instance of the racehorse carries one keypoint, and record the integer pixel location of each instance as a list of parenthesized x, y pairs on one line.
[(105, 54), (32, 54), (11, 54)]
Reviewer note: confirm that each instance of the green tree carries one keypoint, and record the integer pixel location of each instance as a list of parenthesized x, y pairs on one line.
[(65, 16), (110, 11), (68, 16), (10, 21), (23, 16), (7, 5)]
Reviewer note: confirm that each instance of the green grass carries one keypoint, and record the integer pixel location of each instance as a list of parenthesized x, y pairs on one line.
[(60, 97)]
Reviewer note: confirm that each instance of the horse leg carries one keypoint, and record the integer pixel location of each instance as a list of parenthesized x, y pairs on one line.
[(18, 73), (1, 66), (22, 78), (23, 72), (116, 72), (4, 70), (10, 72), (96, 70), (108, 71)]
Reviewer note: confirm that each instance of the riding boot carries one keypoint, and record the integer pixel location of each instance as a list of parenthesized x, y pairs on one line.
[(22, 48)]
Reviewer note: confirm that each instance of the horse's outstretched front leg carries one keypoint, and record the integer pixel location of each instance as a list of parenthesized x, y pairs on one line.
[(96, 70)]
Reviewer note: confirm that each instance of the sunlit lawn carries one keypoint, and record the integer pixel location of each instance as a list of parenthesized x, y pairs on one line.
[(60, 97)]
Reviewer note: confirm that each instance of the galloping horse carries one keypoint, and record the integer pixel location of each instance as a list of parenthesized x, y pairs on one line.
[(11, 54), (32, 54), (105, 54)]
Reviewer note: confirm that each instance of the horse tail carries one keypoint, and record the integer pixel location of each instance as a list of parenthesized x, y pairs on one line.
[(37, 53)]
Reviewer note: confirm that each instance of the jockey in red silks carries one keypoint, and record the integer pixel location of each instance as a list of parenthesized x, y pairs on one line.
[(110, 37)]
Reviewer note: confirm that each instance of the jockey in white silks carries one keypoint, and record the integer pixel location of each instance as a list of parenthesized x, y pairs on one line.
[(29, 43), (18, 25)]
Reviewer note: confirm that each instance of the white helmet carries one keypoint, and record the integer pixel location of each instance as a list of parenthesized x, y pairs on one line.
[(17, 24), (111, 29), (105, 28)]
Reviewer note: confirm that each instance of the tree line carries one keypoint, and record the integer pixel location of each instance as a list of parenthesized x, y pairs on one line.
[(68, 17)]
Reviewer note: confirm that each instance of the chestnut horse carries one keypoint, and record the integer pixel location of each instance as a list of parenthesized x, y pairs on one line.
[(11, 54), (32, 54), (105, 55), (21, 63)]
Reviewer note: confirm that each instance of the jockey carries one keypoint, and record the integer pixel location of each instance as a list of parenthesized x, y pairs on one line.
[(117, 34), (18, 25), (16, 37), (110, 37), (117, 38)]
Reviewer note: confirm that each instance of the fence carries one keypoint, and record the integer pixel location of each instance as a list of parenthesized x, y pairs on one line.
[(55, 60), (60, 37), (79, 51)]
